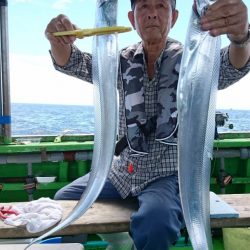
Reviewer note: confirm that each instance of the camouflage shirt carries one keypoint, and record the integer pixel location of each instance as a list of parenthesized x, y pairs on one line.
[(131, 174)]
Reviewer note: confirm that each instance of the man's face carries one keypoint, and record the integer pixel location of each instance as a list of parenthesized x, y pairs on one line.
[(153, 19)]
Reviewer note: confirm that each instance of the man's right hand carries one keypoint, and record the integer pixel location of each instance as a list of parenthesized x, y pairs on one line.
[(60, 23), (60, 46)]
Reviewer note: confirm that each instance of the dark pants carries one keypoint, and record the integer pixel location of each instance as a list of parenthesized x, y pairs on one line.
[(156, 224)]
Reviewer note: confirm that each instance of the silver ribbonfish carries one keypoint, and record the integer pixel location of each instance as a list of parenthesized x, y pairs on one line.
[(104, 70), (196, 98)]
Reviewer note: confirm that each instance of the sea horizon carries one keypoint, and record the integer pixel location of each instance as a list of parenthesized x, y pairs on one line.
[(55, 119)]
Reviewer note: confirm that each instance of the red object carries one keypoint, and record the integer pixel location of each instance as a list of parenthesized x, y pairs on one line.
[(69, 156), (5, 212), (130, 168)]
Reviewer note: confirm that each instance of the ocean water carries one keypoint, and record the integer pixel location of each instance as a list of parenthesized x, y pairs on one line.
[(240, 119), (46, 119)]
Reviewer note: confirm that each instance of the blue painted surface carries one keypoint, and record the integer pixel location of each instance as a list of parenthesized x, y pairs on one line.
[(221, 209)]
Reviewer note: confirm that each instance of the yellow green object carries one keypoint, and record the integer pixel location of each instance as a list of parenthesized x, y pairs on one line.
[(236, 238), (81, 33)]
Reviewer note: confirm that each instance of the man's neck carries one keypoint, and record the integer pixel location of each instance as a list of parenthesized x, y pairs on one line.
[(152, 52)]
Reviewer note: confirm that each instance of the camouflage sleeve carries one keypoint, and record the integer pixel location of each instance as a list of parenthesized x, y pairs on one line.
[(79, 65), (229, 74)]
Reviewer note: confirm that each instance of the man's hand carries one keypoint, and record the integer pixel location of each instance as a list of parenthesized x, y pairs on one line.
[(230, 17), (60, 23), (227, 17), (60, 46)]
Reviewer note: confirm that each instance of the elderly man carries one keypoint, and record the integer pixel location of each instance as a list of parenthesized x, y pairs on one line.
[(146, 167)]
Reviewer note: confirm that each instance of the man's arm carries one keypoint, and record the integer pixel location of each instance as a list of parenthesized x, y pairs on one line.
[(67, 58), (239, 51), (231, 18), (60, 46)]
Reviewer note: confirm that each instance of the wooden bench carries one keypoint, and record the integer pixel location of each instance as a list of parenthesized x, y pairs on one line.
[(73, 246), (114, 216)]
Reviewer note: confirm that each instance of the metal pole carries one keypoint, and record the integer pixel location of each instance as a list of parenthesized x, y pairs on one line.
[(1, 67), (222, 168), (5, 119)]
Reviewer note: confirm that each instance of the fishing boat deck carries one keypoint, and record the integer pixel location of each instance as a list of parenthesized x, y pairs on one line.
[(114, 216)]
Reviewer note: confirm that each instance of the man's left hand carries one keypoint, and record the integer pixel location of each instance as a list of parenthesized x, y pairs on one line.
[(227, 17)]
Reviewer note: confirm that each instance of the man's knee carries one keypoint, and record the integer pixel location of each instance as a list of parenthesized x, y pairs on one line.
[(64, 194), (74, 190), (59, 195), (156, 226)]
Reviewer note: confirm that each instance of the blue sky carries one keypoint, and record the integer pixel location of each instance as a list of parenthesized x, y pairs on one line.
[(33, 78)]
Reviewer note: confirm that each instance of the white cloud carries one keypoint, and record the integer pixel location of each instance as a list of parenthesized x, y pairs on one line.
[(61, 4), (22, 1), (33, 79), (235, 96)]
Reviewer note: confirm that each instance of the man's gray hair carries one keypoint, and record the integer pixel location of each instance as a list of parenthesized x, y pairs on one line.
[(173, 4)]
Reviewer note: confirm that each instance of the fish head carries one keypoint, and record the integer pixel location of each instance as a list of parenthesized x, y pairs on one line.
[(108, 11), (201, 6)]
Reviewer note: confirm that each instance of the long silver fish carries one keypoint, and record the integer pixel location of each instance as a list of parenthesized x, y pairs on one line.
[(105, 69), (196, 99)]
